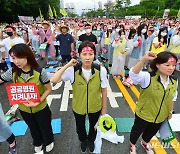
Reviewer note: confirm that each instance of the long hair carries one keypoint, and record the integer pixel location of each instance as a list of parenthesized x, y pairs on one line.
[(23, 51), (132, 31), (85, 44), (159, 35), (162, 57), (139, 29)]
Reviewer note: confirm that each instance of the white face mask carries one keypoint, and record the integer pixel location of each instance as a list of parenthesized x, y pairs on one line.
[(144, 31), (163, 34), (117, 30), (88, 30), (122, 36)]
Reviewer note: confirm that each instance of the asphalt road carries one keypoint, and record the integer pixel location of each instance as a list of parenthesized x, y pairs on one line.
[(67, 142)]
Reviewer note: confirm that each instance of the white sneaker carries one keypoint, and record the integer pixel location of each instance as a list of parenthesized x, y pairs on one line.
[(133, 149), (38, 148), (147, 147), (49, 147)]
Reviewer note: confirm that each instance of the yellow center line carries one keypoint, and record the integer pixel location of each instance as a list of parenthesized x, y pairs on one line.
[(158, 149), (174, 143)]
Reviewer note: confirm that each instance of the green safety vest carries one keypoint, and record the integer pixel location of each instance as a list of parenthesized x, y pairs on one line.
[(86, 94), (154, 103), (34, 78)]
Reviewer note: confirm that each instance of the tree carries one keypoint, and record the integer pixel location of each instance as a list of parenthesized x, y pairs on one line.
[(11, 9), (127, 3), (119, 4)]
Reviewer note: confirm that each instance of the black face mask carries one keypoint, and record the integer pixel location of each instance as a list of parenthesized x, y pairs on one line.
[(9, 33)]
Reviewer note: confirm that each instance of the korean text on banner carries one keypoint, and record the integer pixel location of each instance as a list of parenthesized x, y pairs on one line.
[(19, 93)]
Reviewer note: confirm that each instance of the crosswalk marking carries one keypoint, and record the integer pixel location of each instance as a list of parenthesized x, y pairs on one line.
[(111, 96), (65, 96), (51, 97)]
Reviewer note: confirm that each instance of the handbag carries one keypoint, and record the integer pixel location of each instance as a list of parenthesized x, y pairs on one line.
[(43, 46)]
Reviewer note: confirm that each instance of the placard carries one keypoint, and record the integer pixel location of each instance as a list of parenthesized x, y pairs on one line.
[(19, 93)]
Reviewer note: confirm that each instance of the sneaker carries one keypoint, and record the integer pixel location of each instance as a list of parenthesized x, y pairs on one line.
[(13, 150), (49, 147), (147, 147), (38, 148), (83, 146), (132, 149), (91, 146)]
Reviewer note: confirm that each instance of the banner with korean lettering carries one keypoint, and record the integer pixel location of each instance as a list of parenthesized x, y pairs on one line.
[(19, 93)]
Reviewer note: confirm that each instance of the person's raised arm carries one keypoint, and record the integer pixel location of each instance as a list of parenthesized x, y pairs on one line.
[(57, 76), (148, 56)]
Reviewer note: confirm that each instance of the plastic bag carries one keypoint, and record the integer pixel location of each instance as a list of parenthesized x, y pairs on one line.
[(43, 46)]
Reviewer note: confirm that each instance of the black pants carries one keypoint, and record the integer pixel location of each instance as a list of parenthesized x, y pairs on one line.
[(40, 126), (57, 50), (11, 139), (147, 129), (81, 129), (65, 58)]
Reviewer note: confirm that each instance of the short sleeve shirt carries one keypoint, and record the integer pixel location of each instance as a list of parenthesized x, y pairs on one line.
[(65, 43), (69, 75)]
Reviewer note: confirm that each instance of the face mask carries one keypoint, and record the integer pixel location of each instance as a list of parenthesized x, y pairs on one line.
[(163, 34), (144, 31), (5, 35), (9, 33), (19, 33), (117, 30), (122, 36), (88, 30)]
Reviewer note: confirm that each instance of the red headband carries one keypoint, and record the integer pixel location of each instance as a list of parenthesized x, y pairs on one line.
[(87, 49), (13, 54), (9, 29), (172, 59)]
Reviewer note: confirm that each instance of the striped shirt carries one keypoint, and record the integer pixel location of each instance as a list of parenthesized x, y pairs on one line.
[(8, 76)]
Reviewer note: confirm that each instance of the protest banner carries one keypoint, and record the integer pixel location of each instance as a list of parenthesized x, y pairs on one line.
[(19, 93)]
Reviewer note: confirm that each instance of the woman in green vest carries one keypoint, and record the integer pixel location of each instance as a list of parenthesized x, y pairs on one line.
[(36, 115), (89, 82), (157, 94)]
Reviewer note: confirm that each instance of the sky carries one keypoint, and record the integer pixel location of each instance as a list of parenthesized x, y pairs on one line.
[(89, 4)]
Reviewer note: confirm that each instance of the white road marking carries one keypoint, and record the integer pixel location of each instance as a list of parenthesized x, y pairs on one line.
[(65, 96), (51, 97)]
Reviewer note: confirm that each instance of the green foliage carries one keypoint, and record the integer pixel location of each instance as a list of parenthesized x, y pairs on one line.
[(146, 8), (11, 9)]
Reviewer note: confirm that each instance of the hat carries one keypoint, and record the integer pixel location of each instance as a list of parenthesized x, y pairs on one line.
[(63, 26), (106, 123), (45, 22)]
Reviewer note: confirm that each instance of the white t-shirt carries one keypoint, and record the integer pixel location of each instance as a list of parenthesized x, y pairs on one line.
[(69, 75), (1, 50), (8, 43), (79, 33), (144, 79)]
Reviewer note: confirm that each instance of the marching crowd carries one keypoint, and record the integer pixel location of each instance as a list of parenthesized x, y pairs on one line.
[(123, 44)]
